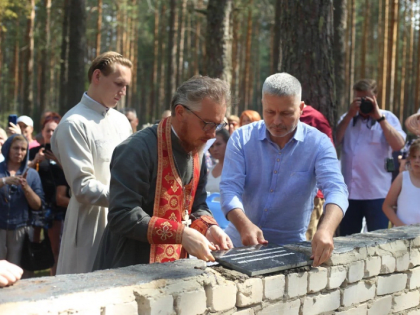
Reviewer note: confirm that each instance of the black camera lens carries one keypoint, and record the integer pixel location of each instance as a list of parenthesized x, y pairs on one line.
[(366, 106)]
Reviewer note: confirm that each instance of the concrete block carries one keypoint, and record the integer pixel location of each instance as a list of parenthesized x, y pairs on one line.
[(381, 306), (124, 308), (388, 264), (192, 302), (337, 276), (405, 301), (413, 278), (358, 293), (347, 257), (414, 258), (317, 279), (360, 310), (221, 297), (296, 284), (402, 262), (274, 287), (248, 311), (249, 292), (416, 242), (155, 303), (321, 303), (391, 283), (356, 271), (289, 308), (372, 266)]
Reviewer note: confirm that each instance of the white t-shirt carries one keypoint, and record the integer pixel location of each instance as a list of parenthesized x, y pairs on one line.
[(408, 204), (213, 182)]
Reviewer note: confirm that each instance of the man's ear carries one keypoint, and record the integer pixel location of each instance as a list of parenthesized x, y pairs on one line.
[(96, 75), (301, 106), (179, 111)]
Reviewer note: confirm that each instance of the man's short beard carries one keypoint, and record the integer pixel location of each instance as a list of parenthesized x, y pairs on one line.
[(287, 133), (188, 147)]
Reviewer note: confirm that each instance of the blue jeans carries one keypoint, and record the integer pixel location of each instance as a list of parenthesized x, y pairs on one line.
[(370, 209)]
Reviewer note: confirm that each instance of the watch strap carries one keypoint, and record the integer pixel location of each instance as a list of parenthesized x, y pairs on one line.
[(380, 119)]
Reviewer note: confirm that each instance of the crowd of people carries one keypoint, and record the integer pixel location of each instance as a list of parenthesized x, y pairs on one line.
[(108, 196)]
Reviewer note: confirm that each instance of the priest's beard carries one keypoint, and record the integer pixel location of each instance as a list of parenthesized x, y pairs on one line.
[(186, 139)]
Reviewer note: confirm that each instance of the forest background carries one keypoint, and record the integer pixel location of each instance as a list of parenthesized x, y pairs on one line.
[(46, 47)]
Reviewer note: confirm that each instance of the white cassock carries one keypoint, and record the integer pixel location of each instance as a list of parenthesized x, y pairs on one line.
[(83, 142)]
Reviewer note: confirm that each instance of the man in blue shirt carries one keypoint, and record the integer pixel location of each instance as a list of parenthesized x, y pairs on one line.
[(271, 173)]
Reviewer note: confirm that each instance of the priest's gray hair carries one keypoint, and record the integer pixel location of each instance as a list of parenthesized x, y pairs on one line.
[(282, 84), (193, 91)]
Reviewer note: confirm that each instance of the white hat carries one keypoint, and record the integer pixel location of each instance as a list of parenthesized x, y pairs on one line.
[(26, 120), (413, 124)]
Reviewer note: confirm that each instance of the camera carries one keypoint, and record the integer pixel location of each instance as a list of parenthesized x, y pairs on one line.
[(389, 165), (366, 106)]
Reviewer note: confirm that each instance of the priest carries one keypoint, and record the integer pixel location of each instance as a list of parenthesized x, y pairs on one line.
[(158, 210)]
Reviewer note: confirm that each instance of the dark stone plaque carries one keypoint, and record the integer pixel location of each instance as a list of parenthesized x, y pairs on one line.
[(261, 259)]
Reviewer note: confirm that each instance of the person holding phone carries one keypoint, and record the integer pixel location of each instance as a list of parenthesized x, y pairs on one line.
[(45, 162), (20, 193)]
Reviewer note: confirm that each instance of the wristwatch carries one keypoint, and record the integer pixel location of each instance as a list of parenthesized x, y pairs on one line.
[(380, 119)]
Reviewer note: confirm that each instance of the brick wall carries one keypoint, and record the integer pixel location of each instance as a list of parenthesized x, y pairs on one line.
[(372, 273)]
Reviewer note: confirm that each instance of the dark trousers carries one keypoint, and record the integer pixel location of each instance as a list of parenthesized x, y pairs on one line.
[(370, 209)]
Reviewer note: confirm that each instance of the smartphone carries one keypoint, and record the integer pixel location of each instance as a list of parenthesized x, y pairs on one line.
[(48, 147), (13, 119), (25, 172)]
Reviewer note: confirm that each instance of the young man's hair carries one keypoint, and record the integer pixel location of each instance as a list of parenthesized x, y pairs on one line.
[(106, 63), (364, 85)]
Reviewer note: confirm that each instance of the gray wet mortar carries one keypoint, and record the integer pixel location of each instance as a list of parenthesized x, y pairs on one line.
[(39, 288)]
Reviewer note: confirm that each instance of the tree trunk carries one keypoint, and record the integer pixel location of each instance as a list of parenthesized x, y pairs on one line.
[(409, 67), (99, 28), (383, 88), (196, 65), (77, 46), (180, 67), (64, 58), (307, 32), (28, 102), (366, 26), (393, 59), (248, 57), (171, 53), (45, 61), (403, 69), (154, 71), (219, 40), (339, 53), (353, 48), (235, 63), (348, 46), (275, 48), (161, 67)]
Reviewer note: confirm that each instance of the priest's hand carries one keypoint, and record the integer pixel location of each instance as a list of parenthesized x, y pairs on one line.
[(9, 273), (197, 245), (218, 237)]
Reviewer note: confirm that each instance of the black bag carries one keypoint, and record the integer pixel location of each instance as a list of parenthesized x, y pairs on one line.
[(37, 256)]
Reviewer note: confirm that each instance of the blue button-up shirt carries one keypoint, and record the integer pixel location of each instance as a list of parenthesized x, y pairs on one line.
[(276, 187)]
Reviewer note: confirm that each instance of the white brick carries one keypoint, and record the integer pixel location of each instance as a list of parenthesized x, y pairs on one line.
[(414, 312), (406, 300), (153, 304), (381, 306), (414, 258), (402, 262), (221, 297), (274, 287), (360, 310), (289, 308), (337, 277), (193, 302), (392, 283), (321, 303), (416, 242), (358, 293), (248, 311), (356, 271), (414, 278), (250, 292), (388, 264), (297, 284), (372, 266), (317, 279), (124, 308)]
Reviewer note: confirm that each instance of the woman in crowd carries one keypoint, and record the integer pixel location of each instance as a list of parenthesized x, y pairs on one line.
[(20, 192), (44, 161), (404, 194), (248, 116), (217, 151)]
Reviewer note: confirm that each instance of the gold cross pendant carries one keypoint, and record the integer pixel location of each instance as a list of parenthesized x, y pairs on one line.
[(186, 218)]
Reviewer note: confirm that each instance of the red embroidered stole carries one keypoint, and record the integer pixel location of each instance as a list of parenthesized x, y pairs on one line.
[(165, 227)]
